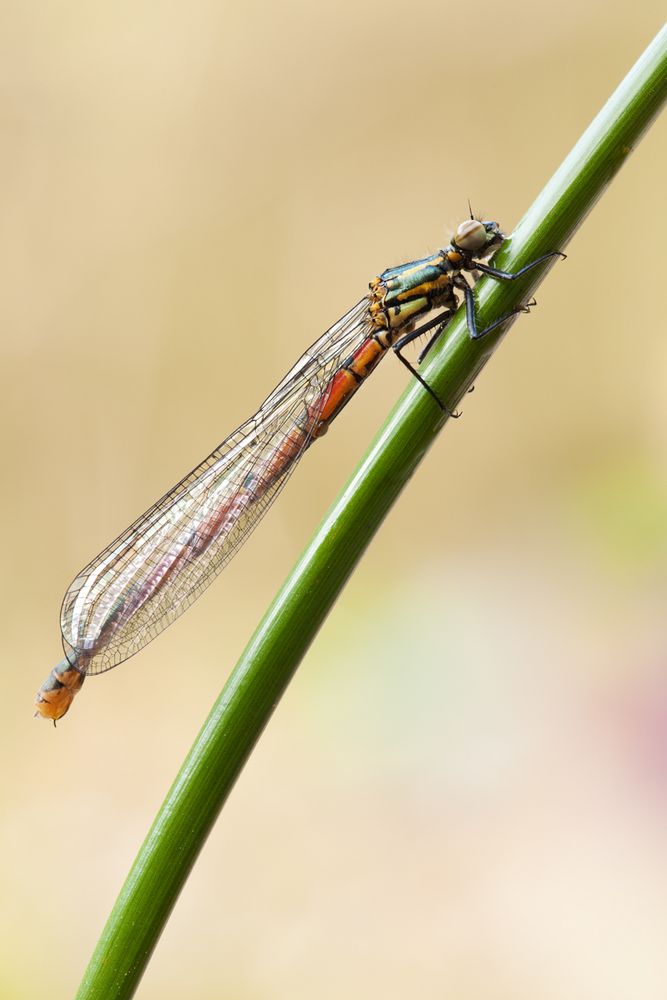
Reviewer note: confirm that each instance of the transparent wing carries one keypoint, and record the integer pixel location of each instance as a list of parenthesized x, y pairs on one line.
[(159, 565)]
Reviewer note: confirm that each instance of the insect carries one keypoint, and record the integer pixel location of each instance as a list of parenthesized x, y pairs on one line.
[(157, 567)]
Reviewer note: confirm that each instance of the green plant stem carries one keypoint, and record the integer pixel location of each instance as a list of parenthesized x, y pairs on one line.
[(272, 655)]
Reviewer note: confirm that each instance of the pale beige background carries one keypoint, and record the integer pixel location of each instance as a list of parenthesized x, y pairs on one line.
[(464, 792)]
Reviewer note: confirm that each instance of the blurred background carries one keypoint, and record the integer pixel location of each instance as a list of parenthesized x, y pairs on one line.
[(469, 798)]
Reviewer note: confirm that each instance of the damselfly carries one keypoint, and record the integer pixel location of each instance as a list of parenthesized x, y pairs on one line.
[(158, 567)]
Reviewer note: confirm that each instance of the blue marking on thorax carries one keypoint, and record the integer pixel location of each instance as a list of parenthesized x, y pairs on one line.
[(431, 269)]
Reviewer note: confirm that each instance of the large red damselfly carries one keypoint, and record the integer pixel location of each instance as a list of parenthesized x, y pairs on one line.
[(157, 567)]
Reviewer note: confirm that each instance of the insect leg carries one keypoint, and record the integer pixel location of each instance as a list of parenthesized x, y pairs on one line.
[(494, 272), (476, 334), (440, 322)]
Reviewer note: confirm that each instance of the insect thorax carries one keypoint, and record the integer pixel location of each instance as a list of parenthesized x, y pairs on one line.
[(402, 294)]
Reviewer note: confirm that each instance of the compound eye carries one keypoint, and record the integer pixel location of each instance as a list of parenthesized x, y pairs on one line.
[(471, 236)]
